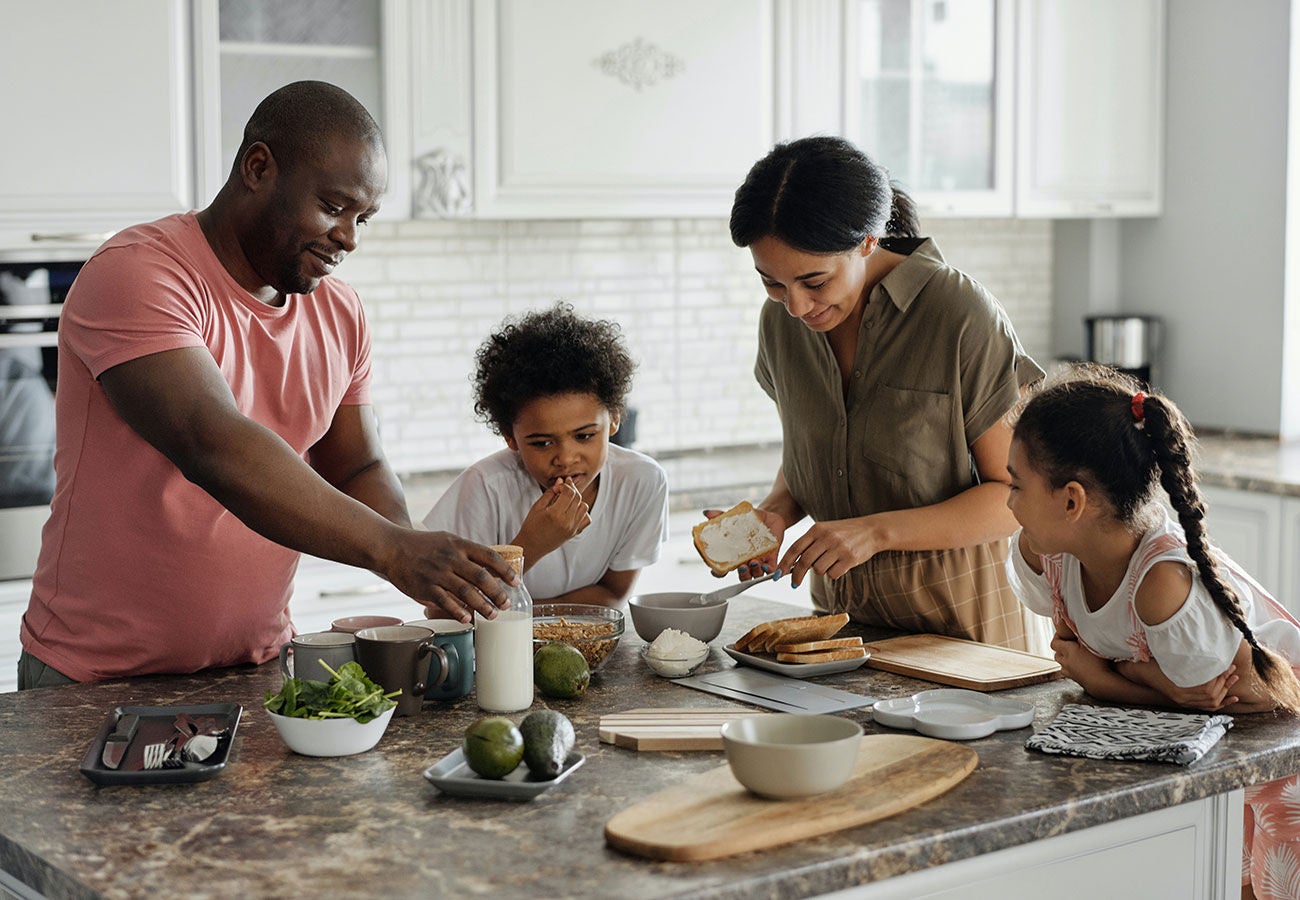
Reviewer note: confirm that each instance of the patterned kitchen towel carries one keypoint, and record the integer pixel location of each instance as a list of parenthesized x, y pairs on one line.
[(1100, 732)]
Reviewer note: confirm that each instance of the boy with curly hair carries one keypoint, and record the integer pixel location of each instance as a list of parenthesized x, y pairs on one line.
[(589, 514)]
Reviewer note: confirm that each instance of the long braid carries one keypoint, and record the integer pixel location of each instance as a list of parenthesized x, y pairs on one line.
[(1169, 436)]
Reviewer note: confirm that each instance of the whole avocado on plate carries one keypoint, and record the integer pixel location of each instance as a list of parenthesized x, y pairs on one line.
[(548, 740)]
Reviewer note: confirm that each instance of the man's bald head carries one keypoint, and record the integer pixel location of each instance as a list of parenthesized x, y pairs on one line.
[(299, 120)]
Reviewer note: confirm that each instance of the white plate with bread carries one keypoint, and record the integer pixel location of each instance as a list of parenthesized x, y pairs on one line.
[(800, 647)]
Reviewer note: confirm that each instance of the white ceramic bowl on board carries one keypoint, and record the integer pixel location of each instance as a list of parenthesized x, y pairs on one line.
[(652, 613), (783, 756)]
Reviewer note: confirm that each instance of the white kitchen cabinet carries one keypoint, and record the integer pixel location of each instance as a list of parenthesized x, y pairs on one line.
[(1031, 108), (929, 91), (1186, 852), (594, 108), (1090, 103), (98, 112), (1247, 525), (247, 48)]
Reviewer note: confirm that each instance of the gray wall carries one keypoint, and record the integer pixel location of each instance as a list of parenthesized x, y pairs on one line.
[(1212, 264)]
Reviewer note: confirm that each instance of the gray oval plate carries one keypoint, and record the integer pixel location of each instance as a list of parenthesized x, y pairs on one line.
[(452, 775)]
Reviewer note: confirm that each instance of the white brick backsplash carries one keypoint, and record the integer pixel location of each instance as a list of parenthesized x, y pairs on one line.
[(687, 300)]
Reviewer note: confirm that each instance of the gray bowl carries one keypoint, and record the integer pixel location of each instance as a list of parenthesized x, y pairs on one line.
[(652, 613)]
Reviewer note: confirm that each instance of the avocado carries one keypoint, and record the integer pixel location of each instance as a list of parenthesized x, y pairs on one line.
[(548, 738), (560, 671)]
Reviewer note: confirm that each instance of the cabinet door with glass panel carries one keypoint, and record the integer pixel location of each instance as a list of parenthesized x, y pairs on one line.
[(250, 47), (929, 93)]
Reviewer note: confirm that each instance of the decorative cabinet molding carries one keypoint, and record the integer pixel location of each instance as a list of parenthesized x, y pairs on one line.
[(590, 108), (99, 115)]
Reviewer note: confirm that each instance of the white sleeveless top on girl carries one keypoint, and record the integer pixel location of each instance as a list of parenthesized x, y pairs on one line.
[(1192, 646)]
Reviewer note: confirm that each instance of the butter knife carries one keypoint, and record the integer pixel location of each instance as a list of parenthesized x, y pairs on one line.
[(116, 744)]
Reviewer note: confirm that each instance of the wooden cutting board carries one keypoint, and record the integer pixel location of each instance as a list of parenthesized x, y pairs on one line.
[(711, 815), (669, 729), (960, 663)]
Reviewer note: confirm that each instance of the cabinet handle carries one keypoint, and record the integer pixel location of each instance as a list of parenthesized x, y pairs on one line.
[(78, 236)]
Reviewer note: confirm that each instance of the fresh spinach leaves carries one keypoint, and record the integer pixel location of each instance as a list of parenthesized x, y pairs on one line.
[(349, 694)]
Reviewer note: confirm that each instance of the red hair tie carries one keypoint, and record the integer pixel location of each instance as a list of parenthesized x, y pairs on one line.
[(1138, 406)]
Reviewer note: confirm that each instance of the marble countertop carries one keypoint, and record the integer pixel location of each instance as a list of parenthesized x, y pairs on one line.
[(275, 824), (1249, 463)]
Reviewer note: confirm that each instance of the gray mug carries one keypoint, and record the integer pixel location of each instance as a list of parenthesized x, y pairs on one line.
[(457, 641), (307, 651)]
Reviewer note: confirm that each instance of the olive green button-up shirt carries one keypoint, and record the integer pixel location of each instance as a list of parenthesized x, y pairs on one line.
[(937, 365)]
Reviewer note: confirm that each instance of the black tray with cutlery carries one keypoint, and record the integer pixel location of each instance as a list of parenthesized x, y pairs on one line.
[(118, 753)]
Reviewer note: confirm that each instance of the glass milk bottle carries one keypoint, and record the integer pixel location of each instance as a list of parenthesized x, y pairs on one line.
[(503, 647)]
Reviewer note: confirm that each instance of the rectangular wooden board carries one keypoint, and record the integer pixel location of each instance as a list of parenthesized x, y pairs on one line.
[(960, 663)]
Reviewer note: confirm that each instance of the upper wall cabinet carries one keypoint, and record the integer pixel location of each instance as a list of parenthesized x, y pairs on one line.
[(98, 112), (248, 48), (590, 108), (1010, 107), (929, 92), (1091, 107)]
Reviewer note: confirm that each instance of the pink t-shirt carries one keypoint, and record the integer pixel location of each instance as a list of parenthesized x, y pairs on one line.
[(140, 570)]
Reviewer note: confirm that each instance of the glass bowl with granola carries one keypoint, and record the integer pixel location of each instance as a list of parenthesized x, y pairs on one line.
[(594, 631)]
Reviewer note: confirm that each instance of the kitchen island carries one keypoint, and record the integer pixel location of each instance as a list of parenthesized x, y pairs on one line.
[(275, 824)]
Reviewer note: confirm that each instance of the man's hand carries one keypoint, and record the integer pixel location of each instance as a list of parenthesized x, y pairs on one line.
[(449, 573)]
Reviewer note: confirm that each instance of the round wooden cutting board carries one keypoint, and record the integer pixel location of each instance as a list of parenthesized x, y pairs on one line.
[(711, 815)]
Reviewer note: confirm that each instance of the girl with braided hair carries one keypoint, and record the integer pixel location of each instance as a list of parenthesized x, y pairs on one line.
[(1147, 611)]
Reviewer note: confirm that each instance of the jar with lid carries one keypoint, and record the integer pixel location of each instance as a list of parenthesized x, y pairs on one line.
[(503, 646)]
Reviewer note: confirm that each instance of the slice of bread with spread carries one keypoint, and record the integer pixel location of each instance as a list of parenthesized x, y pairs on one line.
[(733, 538)]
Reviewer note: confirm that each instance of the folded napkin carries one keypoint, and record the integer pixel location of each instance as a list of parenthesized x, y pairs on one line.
[(1100, 732)]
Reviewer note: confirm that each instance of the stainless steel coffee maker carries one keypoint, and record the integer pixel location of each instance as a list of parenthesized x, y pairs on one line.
[(1129, 343)]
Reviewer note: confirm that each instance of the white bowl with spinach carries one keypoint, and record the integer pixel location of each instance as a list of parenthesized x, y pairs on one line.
[(347, 714)]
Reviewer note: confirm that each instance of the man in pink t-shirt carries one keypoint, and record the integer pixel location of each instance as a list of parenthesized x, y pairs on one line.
[(213, 421)]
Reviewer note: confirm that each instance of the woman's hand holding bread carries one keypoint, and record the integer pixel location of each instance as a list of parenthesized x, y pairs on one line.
[(744, 539)]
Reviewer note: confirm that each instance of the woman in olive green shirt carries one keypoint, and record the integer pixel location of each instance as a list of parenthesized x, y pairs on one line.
[(892, 373)]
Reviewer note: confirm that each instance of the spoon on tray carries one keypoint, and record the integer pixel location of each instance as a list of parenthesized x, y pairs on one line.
[(732, 590)]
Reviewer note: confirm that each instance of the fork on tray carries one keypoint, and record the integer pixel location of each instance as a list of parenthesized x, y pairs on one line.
[(163, 755)]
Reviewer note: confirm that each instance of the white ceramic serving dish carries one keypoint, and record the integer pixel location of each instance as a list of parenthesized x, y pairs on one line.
[(330, 737), (953, 714), (652, 613), (783, 756)]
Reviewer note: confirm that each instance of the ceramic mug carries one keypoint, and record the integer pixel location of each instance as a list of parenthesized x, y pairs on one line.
[(457, 641), (331, 647), (353, 624), (395, 657)]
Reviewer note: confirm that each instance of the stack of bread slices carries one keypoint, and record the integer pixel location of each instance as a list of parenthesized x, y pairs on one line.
[(803, 639)]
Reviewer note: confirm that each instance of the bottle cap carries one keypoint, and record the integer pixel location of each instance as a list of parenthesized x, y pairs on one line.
[(513, 554)]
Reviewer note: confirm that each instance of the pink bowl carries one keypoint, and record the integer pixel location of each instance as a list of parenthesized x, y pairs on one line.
[(353, 624)]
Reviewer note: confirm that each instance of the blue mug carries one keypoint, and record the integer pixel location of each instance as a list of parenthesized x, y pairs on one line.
[(456, 639)]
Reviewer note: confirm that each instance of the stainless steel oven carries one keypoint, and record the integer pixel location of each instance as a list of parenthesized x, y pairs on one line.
[(31, 297)]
